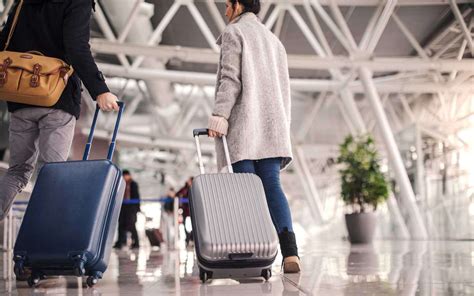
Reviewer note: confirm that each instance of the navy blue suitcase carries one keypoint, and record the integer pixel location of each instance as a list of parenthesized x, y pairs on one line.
[(69, 225)]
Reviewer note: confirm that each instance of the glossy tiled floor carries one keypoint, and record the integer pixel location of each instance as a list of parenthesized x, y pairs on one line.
[(329, 268)]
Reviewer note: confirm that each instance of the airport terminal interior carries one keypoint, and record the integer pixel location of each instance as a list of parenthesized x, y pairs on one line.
[(399, 70)]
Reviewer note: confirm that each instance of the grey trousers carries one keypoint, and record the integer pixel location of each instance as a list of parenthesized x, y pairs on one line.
[(36, 135)]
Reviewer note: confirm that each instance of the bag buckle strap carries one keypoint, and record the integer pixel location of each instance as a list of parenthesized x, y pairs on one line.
[(63, 72), (34, 82), (3, 71)]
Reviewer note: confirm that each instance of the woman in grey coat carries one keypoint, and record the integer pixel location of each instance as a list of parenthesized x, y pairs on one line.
[(253, 109)]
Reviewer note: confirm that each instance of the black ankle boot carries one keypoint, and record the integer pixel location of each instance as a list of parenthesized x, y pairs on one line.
[(288, 243)]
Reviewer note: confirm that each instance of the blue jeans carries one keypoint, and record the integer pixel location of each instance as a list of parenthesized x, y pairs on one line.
[(269, 172)]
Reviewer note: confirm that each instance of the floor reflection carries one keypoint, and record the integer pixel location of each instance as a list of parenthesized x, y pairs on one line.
[(329, 268)]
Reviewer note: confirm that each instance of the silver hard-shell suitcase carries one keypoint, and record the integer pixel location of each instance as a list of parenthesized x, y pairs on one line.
[(233, 231)]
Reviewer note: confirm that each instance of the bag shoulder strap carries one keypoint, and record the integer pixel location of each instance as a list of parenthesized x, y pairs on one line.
[(15, 21)]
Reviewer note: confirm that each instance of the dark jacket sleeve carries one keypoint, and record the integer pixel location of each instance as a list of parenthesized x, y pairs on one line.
[(134, 190), (76, 32), (135, 194)]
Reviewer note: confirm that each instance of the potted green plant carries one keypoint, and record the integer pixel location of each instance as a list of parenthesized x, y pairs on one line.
[(363, 186)]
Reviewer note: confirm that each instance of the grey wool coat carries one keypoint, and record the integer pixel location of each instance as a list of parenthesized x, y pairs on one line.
[(252, 100)]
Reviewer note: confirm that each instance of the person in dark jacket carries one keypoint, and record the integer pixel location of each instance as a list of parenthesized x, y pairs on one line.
[(128, 213), (184, 193), (59, 29)]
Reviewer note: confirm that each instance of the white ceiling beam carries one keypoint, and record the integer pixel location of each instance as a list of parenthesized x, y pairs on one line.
[(380, 26), (216, 14), (411, 38), (208, 56), (380, 64), (130, 21), (331, 24), (310, 117), (310, 85), (108, 33), (300, 22), (202, 25), (341, 21), (445, 31), (155, 37), (466, 32)]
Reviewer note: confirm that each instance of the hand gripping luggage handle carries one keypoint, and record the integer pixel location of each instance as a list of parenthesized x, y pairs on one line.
[(114, 136), (205, 132)]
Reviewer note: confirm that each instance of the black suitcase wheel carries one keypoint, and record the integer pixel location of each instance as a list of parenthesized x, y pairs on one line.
[(203, 275), (33, 280), (92, 281), (267, 274)]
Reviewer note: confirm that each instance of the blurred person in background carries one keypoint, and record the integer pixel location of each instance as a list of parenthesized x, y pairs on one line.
[(128, 213), (184, 193), (167, 217)]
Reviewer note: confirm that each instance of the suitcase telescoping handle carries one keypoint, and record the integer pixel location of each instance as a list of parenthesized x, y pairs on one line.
[(205, 132), (114, 135)]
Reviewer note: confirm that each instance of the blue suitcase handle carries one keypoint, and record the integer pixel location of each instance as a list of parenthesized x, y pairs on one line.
[(114, 136)]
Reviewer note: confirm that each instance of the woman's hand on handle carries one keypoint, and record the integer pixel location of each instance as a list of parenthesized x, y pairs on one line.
[(217, 126), (214, 134)]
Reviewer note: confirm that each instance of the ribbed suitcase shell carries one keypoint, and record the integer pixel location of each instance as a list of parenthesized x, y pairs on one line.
[(73, 210), (233, 229)]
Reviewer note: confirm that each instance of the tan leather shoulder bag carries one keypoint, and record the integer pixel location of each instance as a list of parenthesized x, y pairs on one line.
[(30, 77)]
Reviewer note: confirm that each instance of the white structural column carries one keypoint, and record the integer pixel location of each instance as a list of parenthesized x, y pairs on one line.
[(417, 225), (346, 117), (312, 195), (310, 117), (420, 167), (401, 231)]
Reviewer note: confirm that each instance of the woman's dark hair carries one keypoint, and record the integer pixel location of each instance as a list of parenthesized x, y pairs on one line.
[(249, 5)]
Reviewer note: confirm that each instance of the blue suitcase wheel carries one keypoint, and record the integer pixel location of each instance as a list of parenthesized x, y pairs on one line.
[(79, 269), (92, 281), (19, 269)]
